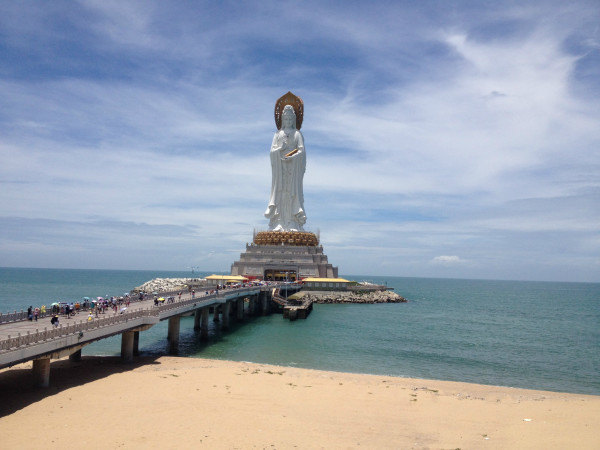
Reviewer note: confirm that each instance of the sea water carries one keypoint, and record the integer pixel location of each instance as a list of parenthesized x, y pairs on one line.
[(540, 335)]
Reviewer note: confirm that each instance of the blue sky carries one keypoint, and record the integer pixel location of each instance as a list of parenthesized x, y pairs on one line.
[(444, 138)]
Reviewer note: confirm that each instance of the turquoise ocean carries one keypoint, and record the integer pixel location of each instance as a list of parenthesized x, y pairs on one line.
[(538, 335)]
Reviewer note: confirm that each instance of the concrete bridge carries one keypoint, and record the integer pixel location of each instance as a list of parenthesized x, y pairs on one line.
[(24, 340)]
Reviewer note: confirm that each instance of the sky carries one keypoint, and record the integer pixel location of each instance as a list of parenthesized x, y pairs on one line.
[(443, 138)]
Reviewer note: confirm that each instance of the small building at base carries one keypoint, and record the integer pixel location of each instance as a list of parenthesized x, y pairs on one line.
[(338, 284), (283, 262)]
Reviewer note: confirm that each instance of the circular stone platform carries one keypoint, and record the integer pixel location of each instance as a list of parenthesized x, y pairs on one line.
[(300, 238)]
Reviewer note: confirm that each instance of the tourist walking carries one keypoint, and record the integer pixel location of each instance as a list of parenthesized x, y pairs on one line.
[(29, 313)]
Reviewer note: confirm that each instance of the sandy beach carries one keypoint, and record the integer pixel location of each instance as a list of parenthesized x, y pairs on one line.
[(172, 402)]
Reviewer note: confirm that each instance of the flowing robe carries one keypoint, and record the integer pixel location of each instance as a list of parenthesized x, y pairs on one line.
[(286, 204)]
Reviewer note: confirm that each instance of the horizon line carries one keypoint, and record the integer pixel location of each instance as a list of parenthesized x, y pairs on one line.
[(349, 275)]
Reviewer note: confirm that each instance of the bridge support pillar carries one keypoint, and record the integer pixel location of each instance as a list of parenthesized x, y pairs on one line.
[(197, 317), (256, 309), (127, 346), (226, 313), (204, 323), (240, 309), (173, 335), (41, 372), (136, 343), (75, 356), (264, 303), (216, 313)]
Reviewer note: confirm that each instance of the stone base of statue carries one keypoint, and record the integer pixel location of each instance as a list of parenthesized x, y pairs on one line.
[(284, 255), (298, 238)]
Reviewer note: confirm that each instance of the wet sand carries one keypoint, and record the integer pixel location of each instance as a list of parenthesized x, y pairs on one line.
[(169, 402)]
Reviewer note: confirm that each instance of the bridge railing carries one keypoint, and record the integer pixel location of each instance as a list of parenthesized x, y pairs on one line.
[(73, 328), (179, 304), (46, 334), (13, 316), (20, 316), (69, 329), (202, 298)]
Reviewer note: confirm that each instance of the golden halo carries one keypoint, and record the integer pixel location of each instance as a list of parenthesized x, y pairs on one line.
[(295, 102)]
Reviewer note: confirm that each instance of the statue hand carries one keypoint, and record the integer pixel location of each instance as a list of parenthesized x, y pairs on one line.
[(286, 157)]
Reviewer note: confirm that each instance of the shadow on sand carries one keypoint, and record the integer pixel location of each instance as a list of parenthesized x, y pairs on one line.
[(17, 389)]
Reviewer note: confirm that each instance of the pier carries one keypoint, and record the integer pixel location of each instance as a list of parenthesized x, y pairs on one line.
[(24, 340), (291, 309)]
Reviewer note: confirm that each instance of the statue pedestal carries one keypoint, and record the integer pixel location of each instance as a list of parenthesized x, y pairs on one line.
[(284, 261)]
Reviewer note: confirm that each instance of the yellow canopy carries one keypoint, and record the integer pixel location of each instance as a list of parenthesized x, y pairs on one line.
[(227, 278), (326, 280)]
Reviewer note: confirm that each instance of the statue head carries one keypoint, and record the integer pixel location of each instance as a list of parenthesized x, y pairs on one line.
[(288, 117)]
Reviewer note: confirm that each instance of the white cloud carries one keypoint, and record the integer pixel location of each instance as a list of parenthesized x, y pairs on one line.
[(424, 133), (447, 260)]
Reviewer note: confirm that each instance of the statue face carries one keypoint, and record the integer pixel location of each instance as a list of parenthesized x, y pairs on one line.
[(288, 121)]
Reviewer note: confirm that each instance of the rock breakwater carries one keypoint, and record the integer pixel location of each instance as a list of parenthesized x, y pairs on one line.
[(353, 297), (165, 285)]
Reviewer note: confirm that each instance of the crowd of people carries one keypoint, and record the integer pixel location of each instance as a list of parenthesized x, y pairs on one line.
[(69, 309)]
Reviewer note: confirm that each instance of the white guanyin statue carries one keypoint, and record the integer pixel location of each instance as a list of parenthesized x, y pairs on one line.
[(288, 164)]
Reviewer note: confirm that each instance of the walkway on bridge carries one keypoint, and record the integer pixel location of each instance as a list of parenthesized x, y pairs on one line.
[(39, 341)]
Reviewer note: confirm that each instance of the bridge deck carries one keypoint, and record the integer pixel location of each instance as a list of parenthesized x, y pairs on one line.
[(23, 326), (30, 339)]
